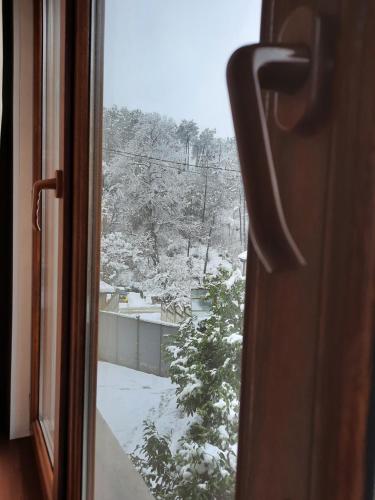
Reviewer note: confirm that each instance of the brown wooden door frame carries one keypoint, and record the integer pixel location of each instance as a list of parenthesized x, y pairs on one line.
[(307, 362)]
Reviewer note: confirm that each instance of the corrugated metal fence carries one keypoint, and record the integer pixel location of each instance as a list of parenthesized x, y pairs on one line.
[(133, 342)]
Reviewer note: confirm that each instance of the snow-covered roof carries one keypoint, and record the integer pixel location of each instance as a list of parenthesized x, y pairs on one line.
[(243, 256), (105, 288)]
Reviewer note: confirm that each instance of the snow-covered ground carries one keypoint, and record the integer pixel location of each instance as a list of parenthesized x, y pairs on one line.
[(127, 397)]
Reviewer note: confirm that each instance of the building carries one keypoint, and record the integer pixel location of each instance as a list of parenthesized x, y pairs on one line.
[(108, 298)]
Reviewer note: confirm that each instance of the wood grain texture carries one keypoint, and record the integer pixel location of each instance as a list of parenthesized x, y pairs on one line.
[(64, 480), (53, 478), (282, 322), (307, 363), (347, 324), (94, 239), (79, 16), (65, 256), (44, 466), (19, 479), (42, 460), (37, 170)]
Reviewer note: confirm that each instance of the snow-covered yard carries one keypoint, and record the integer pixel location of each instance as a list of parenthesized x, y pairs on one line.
[(127, 397)]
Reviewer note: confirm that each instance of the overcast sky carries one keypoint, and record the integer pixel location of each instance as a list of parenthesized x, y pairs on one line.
[(170, 56)]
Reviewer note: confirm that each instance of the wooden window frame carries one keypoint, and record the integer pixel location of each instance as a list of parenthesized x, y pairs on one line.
[(345, 325), (340, 454), (53, 478), (65, 480), (41, 454)]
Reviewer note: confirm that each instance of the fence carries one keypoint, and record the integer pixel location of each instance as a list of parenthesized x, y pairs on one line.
[(174, 314), (133, 342)]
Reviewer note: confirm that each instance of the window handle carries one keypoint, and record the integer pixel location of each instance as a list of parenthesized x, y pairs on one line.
[(292, 69), (55, 183), (250, 69)]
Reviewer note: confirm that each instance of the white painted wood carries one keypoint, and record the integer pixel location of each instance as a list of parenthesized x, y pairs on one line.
[(22, 232)]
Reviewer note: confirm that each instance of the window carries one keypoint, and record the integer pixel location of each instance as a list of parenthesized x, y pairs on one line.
[(173, 251)]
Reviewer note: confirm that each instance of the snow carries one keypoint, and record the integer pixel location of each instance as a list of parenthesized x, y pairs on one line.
[(234, 338), (140, 307), (220, 404), (127, 397), (135, 300), (151, 316), (236, 276), (216, 261), (243, 256), (188, 389), (211, 452), (223, 432), (105, 288)]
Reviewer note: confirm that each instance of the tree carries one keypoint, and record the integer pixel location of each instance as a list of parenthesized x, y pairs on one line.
[(173, 279), (115, 257), (204, 362), (173, 219), (187, 132), (205, 147)]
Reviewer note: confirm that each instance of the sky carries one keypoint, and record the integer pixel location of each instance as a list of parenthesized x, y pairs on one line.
[(169, 56)]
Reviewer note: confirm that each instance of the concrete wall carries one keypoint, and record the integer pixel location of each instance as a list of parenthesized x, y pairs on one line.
[(115, 475), (133, 342)]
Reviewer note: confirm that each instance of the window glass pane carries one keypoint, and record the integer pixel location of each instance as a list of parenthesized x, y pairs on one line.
[(173, 251)]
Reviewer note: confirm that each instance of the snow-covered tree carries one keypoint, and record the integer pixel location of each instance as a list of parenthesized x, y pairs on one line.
[(115, 257), (204, 362), (165, 212), (187, 132)]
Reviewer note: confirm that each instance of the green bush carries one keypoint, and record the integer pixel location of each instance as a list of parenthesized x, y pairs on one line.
[(204, 359)]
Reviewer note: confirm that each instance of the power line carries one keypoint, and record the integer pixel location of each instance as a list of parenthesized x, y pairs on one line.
[(138, 164), (145, 157), (213, 166), (163, 165)]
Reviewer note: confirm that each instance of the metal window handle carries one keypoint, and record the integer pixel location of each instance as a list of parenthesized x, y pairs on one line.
[(55, 183), (285, 68)]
